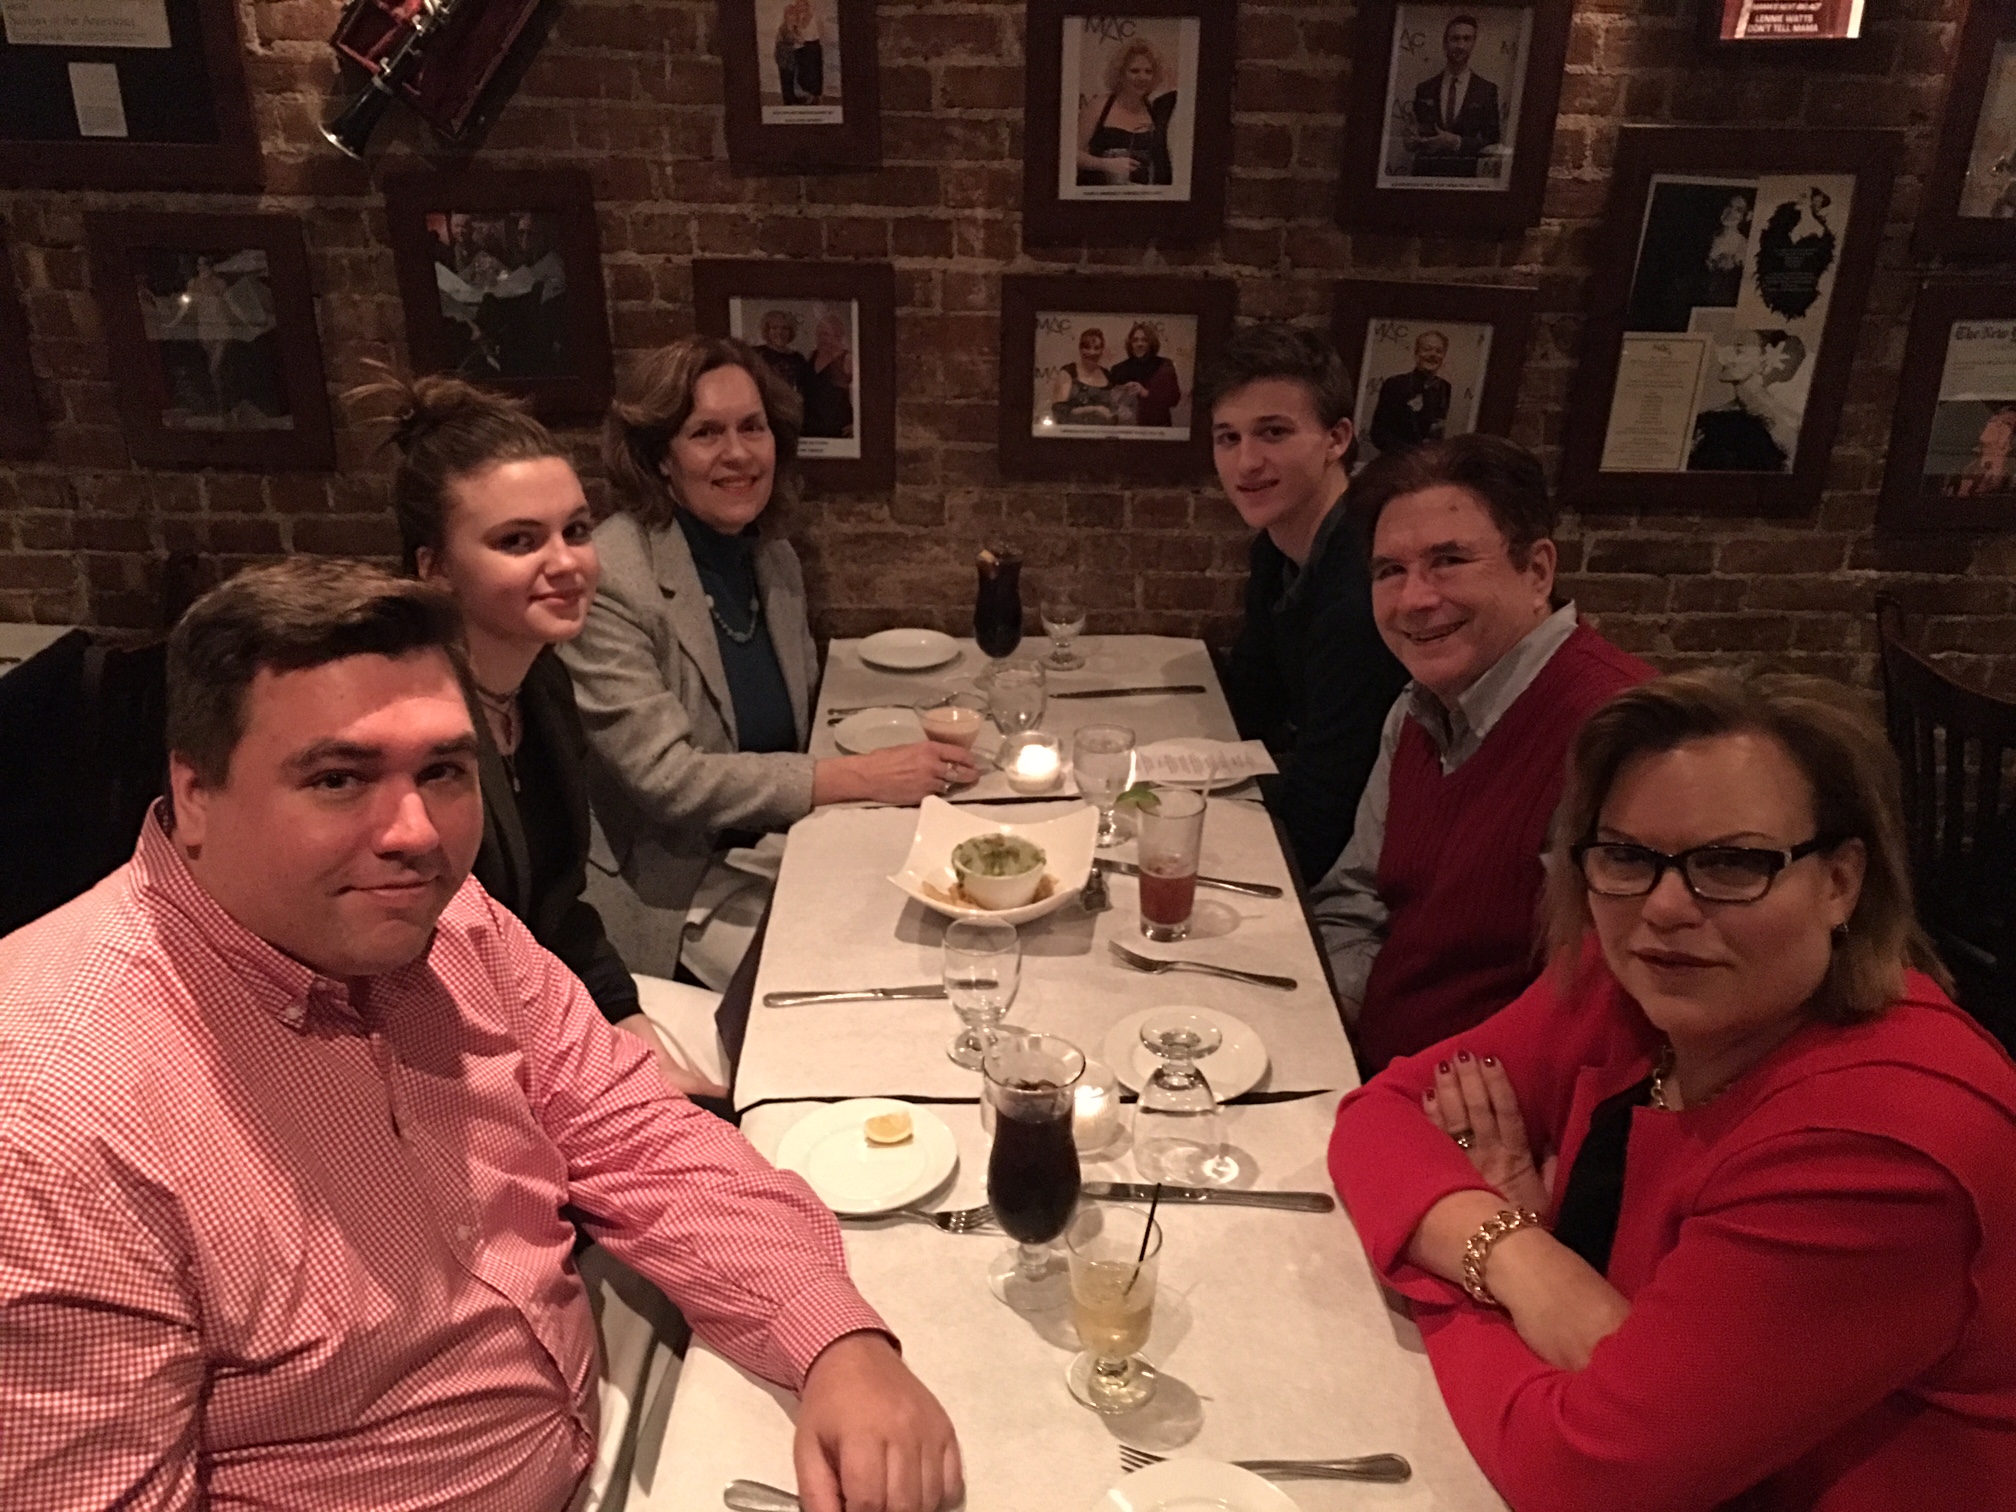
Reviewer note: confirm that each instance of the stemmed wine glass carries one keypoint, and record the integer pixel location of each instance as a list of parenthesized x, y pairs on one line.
[(1031, 1081), (983, 967), (1063, 618), (1178, 1130), (1017, 694), (1102, 760)]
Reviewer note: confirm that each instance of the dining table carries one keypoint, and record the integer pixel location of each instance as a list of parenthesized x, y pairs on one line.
[(1272, 1336)]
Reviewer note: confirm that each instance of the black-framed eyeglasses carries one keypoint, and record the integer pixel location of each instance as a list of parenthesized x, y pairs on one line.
[(1713, 873)]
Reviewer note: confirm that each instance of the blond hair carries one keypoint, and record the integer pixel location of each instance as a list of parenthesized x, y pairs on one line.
[(1116, 66)]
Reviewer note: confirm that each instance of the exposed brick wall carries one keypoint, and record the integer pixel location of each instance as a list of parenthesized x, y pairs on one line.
[(630, 89)]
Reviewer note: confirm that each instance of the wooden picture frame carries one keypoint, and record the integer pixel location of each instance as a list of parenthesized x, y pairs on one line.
[(818, 301), (1977, 132), (483, 259), (1726, 249), (210, 321), (159, 101), (1046, 319), (1954, 405), (1382, 331), (21, 430), (1174, 189), (1402, 171), (1826, 32), (782, 130)]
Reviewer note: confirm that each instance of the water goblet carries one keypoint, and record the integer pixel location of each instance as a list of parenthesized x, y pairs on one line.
[(1063, 620), (1016, 696), (1178, 1130), (1114, 1254), (983, 966), (1031, 1081), (1102, 759)]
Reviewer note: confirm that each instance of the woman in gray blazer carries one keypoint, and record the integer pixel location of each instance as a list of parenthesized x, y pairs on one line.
[(695, 670)]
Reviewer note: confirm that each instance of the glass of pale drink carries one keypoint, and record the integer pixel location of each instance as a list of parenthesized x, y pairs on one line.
[(1114, 1254)]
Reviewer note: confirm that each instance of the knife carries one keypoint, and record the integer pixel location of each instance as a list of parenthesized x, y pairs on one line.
[(1252, 889), (855, 995), (1127, 692), (1141, 1191)]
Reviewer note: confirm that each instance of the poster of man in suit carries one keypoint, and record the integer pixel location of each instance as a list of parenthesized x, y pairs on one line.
[(1419, 380), (1452, 96)]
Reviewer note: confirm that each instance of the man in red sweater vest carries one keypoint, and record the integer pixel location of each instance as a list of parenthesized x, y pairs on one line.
[(1429, 916)]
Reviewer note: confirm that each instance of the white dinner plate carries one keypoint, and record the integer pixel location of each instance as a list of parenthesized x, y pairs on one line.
[(1233, 1069), (1194, 1485), (908, 650), (877, 729), (852, 1176), (1068, 842)]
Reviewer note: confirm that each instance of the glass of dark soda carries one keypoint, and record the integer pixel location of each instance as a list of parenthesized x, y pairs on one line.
[(1030, 1082), (997, 601)]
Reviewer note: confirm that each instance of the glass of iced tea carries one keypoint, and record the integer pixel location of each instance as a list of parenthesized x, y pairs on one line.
[(1171, 835), (1113, 1254), (1031, 1083)]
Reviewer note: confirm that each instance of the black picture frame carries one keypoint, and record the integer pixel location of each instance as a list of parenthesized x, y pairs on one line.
[(186, 106), (1702, 156), (759, 143), (1208, 302), (1506, 310), (871, 289), (212, 355), (1943, 231), (508, 340), (1049, 217), (1411, 202), (22, 433), (1981, 495)]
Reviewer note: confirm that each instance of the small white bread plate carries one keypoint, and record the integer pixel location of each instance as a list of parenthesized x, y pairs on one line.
[(1194, 1485), (1233, 1069), (1068, 842), (876, 729), (908, 650), (851, 1176)]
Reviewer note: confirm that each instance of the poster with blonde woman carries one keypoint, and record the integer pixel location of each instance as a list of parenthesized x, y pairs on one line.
[(799, 44), (1113, 377), (1128, 108), (810, 344)]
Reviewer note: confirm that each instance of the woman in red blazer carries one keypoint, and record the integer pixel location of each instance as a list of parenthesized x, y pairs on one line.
[(1722, 1211)]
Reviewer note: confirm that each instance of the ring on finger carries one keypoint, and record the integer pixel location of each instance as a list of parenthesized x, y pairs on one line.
[(1463, 1138)]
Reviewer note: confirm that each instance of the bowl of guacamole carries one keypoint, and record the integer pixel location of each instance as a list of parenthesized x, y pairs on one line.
[(999, 871)]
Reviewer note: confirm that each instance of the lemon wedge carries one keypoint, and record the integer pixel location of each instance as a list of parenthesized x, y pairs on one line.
[(887, 1129)]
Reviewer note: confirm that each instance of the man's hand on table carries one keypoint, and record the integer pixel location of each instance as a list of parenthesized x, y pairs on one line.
[(870, 1437)]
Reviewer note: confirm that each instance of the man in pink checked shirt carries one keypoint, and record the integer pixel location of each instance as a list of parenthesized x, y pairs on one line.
[(295, 1122)]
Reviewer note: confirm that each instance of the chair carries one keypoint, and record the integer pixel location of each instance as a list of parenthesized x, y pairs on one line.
[(1957, 748)]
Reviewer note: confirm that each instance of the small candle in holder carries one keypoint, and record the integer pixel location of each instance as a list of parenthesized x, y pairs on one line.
[(1095, 1113), (1034, 762)]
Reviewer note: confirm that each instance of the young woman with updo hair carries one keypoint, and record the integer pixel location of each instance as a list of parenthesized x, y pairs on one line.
[(490, 510)]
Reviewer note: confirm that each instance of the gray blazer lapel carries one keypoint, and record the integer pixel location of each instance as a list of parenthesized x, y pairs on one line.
[(780, 581), (686, 612)]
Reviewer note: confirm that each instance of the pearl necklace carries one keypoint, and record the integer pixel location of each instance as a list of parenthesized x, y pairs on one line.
[(740, 637)]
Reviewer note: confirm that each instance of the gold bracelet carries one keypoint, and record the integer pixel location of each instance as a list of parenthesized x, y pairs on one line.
[(1478, 1250)]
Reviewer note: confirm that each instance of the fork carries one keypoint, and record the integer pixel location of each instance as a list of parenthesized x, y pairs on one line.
[(1369, 1467), (1150, 964), (971, 1220)]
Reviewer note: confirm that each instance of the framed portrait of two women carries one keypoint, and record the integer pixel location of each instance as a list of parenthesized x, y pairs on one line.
[(1952, 458), (1733, 272), (802, 87), (1129, 121)]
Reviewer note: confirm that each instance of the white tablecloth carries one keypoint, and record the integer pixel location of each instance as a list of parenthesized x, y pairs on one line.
[(838, 922), (1271, 1333), (1111, 661)]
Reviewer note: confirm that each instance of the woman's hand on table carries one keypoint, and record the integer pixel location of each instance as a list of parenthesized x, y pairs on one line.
[(871, 1438), (902, 774), (1474, 1098)]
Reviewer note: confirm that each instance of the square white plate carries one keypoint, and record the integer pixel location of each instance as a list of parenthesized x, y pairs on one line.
[(1068, 843)]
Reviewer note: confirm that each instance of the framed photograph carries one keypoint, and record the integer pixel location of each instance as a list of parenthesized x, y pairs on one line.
[(829, 330), (1734, 267), (1432, 360), (1970, 194), (1454, 138), (21, 432), (124, 94), (1098, 374), (1952, 460), (803, 91), (501, 277), (1129, 121), (211, 325), (1772, 25)]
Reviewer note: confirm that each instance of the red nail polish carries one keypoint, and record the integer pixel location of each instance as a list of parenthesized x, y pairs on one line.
[(1443, 1068), (1464, 1056)]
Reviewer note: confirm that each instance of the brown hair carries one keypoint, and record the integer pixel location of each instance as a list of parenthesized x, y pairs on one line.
[(1850, 769), (1116, 66), (1278, 350), (447, 430), (1503, 475), (656, 400), (303, 612)]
